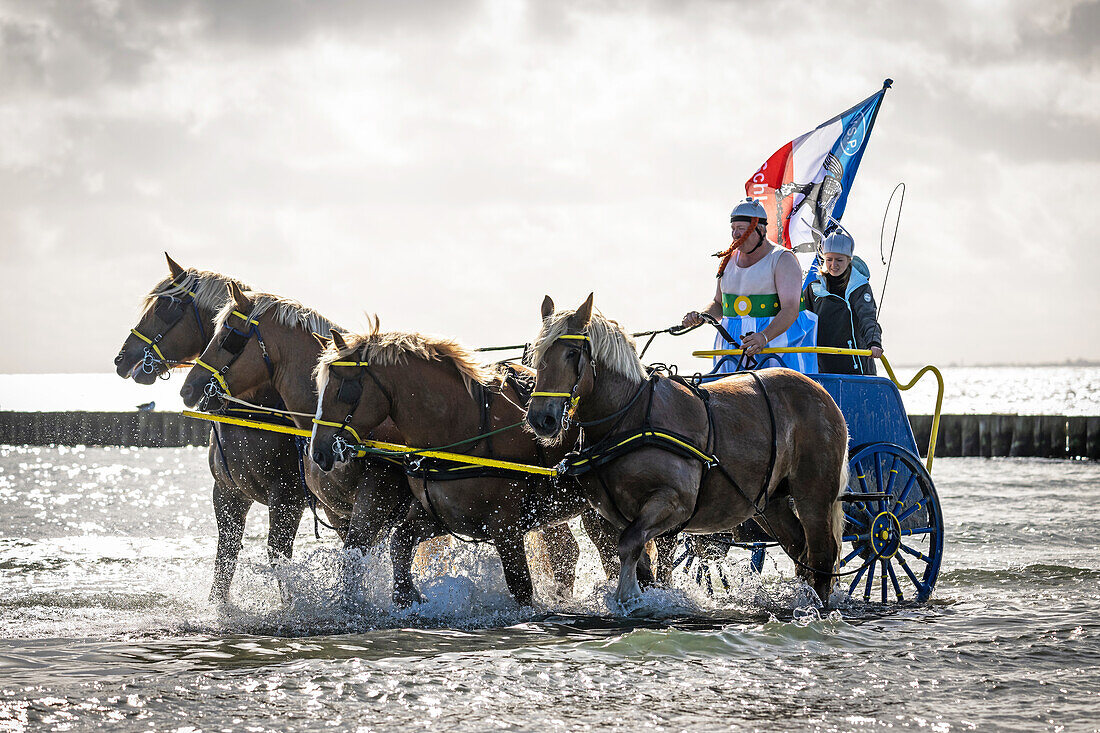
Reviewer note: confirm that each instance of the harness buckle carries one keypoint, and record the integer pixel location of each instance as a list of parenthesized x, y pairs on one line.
[(212, 389)]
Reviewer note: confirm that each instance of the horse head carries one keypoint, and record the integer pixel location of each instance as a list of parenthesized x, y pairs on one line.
[(171, 330), (350, 401), (235, 360), (566, 368)]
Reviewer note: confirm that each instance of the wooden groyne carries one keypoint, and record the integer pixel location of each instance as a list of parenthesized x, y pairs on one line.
[(140, 429), (1044, 436)]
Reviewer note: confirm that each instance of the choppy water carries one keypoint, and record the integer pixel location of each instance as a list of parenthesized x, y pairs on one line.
[(105, 558)]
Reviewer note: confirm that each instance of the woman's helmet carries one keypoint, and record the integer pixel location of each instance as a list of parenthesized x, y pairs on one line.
[(839, 242), (748, 210)]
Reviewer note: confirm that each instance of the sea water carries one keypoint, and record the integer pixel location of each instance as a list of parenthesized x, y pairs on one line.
[(105, 566)]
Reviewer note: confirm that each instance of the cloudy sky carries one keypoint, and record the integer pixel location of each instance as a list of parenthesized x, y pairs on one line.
[(445, 164)]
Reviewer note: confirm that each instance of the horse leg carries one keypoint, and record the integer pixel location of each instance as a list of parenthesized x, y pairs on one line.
[(605, 537), (666, 546), (285, 505), (563, 552), (230, 509), (416, 527), (372, 511), (822, 518), (820, 523), (516, 573), (662, 511), (780, 521)]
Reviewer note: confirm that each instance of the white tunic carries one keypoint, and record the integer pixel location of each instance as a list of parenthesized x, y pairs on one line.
[(738, 284)]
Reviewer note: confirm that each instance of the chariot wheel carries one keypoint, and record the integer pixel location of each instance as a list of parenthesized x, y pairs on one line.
[(893, 526)]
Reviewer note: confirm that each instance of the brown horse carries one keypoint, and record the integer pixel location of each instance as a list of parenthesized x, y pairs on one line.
[(178, 318), (265, 341), (779, 440), (438, 396)]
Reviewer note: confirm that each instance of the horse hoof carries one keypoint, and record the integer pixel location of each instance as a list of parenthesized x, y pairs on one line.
[(406, 597)]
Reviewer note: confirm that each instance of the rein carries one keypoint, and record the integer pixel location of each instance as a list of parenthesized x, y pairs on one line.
[(419, 462)]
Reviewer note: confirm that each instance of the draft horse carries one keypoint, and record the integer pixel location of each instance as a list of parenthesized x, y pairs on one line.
[(178, 318), (264, 341), (440, 398), (662, 456)]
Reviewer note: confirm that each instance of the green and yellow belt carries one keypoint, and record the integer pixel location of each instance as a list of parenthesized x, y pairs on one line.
[(757, 306)]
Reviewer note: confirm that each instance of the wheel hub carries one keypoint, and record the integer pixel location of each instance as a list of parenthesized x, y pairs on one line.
[(885, 535)]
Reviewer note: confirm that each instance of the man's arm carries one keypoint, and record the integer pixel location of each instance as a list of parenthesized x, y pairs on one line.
[(714, 308)]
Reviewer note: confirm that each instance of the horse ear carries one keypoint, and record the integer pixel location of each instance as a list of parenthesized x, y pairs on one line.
[(338, 340), (324, 342), (173, 268), (583, 316), (547, 307), (244, 305)]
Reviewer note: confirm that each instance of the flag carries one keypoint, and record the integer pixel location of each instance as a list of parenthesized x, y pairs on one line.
[(806, 182)]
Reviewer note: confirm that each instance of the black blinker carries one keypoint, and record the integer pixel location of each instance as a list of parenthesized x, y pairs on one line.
[(349, 392), (168, 311), (235, 341)]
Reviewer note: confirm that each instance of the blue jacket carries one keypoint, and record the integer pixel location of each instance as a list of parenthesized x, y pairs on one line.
[(849, 322)]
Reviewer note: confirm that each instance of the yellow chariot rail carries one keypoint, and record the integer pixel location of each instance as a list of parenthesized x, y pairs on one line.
[(857, 352), (392, 448)]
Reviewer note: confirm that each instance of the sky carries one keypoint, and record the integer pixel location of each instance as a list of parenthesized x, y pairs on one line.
[(446, 164)]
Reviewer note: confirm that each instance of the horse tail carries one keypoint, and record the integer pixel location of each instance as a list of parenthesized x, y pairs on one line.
[(837, 517)]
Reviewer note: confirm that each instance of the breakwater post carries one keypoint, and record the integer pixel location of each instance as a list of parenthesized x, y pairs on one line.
[(1044, 436)]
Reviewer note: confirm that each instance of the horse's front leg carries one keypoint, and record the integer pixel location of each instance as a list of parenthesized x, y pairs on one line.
[(374, 510), (516, 573), (285, 505), (378, 506), (230, 509), (563, 551), (416, 528), (605, 537), (664, 509)]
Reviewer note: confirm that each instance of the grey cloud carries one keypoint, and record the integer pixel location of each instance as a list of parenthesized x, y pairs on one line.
[(66, 47)]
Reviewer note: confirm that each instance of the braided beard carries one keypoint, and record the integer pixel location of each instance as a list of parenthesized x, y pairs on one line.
[(727, 253)]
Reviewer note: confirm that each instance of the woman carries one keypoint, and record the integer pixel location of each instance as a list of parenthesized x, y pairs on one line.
[(758, 295), (846, 314)]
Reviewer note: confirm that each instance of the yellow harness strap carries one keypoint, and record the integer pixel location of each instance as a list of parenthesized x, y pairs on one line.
[(217, 376), (149, 341), (345, 426), (394, 447), (244, 318)]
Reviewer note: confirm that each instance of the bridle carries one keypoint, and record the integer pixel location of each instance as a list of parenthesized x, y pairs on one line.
[(349, 393), (169, 310), (583, 345), (234, 343)]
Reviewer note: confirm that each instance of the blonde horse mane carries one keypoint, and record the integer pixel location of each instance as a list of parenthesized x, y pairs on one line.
[(612, 347), (209, 289), (285, 311), (389, 348)]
